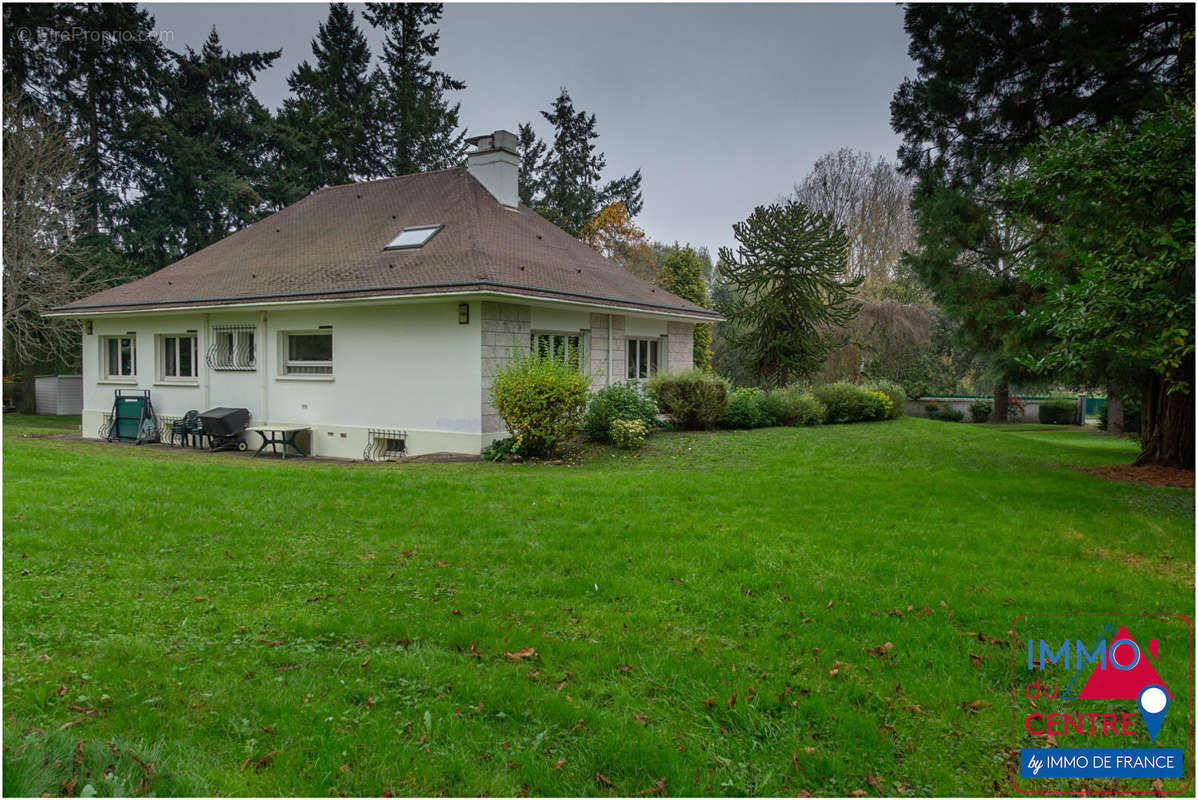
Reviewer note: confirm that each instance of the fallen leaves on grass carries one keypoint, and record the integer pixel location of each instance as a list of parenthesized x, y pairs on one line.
[(520, 655), (976, 660), (604, 780), (623, 667), (658, 788), (975, 706), (261, 762), (561, 762), (881, 649)]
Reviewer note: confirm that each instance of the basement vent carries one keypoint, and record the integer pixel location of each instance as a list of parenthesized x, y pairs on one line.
[(410, 238)]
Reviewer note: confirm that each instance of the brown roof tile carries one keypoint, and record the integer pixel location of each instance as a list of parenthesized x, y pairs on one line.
[(330, 245)]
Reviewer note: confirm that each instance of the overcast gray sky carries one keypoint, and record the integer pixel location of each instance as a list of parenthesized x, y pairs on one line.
[(722, 107)]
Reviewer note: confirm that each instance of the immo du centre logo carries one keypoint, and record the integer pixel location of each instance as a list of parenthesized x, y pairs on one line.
[(1089, 702)]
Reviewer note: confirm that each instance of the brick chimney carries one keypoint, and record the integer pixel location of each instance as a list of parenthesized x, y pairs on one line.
[(495, 163)]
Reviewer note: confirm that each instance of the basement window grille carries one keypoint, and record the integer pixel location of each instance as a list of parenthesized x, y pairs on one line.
[(164, 426), (105, 425), (233, 347), (385, 444)]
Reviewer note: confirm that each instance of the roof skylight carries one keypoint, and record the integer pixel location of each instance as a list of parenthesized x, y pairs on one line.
[(415, 236)]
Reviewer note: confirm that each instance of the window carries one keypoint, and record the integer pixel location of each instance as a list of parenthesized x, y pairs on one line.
[(413, 237), (642, 358), (178, 357), (564, 347), (232, 347), (308, 353), (120, 356)]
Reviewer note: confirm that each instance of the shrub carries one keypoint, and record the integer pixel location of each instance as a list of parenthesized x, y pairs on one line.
[(1015, 409), (628, 434), (541, 400), (692, 400), (892, 390), (795, 406), (500, 449), (945, 414), (848, 403), (1059, 409), (625, 401), (980, 410), (748, 408)]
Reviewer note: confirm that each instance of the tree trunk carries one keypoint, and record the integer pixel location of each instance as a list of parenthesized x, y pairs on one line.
[(1168, 423), (93, 171), (1002, 399), (1114, 410), (28, 389)]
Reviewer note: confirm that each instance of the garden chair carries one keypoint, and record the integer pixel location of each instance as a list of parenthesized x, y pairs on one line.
[(189, 427)]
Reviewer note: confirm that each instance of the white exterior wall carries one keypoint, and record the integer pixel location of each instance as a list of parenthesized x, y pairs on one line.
[(408, 366)]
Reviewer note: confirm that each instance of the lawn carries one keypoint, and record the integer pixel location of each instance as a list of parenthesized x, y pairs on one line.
[(709, 616)]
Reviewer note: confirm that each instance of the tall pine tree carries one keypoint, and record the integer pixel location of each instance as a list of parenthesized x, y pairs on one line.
[(561, 178), (331, 123), (419, 125), (90, 67), (201, 164)]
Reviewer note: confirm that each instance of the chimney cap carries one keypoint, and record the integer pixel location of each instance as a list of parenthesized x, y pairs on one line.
[(499, 140)]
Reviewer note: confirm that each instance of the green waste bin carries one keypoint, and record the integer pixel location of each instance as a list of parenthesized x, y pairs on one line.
[(131, 410)]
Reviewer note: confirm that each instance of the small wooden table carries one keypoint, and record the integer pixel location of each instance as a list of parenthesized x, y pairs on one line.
[(275, 435)]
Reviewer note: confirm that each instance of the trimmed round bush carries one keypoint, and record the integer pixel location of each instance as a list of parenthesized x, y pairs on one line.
[(980, 410), (1059, 410), (894, 392), (626, 401), (748, 408), (796, 406), (628, 434), (848, 403), (691, 400), (541, 400)]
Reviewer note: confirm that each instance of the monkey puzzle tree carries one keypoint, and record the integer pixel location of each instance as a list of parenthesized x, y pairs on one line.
[(789, 277)]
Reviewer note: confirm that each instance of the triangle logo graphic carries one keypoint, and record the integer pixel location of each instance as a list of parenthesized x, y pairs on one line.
[(1113, 683)]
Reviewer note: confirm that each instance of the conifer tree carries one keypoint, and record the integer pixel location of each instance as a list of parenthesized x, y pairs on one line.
[(90, 67), (201, 173), (419, 125), (789, 286), (564, 174), (331, 123)]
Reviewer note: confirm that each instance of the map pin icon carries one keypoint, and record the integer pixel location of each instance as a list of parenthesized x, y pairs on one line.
[(1154, 702)]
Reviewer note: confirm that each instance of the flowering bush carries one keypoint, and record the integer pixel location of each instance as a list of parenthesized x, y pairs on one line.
[(618, 401), (628, 434)]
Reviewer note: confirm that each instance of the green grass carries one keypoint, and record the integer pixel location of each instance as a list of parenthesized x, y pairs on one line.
[(206, 611)]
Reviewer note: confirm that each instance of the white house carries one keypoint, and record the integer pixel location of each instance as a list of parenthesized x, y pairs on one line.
[(377, 314)]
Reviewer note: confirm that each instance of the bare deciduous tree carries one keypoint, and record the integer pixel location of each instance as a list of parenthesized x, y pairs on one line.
[(43, 205), (870, 200)]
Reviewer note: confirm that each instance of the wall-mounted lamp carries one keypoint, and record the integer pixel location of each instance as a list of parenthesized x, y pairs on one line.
[(463, 313), (87, 326)]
